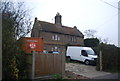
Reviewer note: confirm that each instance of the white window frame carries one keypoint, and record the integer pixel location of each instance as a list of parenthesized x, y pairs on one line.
[(53, 37), (56, 47), (59, 49), (56, 37), (52, 49)]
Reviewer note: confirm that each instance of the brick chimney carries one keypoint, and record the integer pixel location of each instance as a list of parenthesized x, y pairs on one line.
[(58, 19)]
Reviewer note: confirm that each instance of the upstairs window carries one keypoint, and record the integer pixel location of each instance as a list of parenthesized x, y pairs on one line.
[(72, 39), (55, 37), (58, 37)]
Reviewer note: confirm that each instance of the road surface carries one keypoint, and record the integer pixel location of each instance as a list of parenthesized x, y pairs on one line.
[(89, 71)]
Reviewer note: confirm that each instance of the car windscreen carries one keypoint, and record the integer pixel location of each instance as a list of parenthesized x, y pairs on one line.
[(90, 52)]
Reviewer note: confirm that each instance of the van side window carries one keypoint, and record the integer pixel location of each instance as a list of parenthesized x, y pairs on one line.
[(84, 53)]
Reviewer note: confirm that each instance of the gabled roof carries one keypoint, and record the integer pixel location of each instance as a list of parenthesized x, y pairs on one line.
[(50, 27)]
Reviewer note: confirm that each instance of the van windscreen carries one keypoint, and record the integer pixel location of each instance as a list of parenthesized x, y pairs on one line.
[(91, 52)]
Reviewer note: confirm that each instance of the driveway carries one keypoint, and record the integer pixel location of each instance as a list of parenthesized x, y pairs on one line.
[(110, 76), (87, 71)]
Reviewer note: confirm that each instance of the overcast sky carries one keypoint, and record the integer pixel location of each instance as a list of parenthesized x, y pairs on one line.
[(99, 15)]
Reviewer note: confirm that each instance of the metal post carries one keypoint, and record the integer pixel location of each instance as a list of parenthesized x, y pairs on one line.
[(33, 65), (100, 60), (0, 47)]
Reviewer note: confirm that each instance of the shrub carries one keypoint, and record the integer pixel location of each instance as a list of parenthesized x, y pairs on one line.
[(110, 60)]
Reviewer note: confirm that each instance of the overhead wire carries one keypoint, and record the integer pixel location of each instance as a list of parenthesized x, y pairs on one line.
[(109, 4), (110, 17)]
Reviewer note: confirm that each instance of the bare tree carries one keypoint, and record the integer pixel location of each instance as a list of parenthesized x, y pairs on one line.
[(104, 40), (16, 23), (18, 15), (90, 33)]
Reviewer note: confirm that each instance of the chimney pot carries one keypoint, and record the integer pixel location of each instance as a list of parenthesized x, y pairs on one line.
[(58, 19), (75, 27), (35, 18)]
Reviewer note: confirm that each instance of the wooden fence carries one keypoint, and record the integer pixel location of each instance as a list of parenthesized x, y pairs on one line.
[(45, 65)]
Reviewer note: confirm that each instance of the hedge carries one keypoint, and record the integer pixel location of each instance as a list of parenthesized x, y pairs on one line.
[(110, 57)]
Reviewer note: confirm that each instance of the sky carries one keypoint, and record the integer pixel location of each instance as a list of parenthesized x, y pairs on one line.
[(99, 15)]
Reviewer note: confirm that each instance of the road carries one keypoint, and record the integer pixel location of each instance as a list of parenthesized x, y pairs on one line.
[(89, 71), (110, 76)]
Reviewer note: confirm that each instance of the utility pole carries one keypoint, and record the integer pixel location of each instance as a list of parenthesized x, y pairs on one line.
[(119, 23), (0, 47)]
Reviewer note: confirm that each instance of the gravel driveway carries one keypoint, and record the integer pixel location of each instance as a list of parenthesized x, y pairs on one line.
[(84, 70)]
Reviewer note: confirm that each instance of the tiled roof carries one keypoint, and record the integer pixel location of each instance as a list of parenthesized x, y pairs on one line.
[(50, 27)]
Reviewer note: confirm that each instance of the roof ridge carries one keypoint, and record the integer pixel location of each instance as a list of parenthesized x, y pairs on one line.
[(54, 24), (68, 27), (45, 22), (52, 27)]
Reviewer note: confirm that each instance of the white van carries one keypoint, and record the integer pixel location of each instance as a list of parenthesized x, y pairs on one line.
[(83, 54)]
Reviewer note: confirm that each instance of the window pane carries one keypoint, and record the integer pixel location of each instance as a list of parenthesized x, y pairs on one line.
[(52, 49), (56, 37), (56, 48), (91, 52), (53, 37), (59, 49)]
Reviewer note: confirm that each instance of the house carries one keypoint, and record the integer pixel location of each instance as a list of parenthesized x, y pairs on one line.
[(57, 36)]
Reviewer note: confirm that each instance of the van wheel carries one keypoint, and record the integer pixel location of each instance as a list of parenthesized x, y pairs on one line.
[(69, 59), (87, 62)]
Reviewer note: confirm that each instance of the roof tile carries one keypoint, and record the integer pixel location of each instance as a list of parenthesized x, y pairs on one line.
[(50, 27)]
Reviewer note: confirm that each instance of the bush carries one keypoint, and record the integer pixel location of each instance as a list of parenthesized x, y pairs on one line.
[(15, 24), (110, 60), (91, 42)]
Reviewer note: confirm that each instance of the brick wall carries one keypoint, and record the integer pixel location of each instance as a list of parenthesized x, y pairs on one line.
[(58, 42)]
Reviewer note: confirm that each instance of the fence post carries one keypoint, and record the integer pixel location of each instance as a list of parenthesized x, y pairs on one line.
[(63, 63), (100, 60), (33, 65)]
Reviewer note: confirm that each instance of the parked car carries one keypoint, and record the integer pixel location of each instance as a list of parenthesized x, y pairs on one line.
[(83, 54)]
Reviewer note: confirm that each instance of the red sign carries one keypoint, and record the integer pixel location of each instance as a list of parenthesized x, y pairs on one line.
[(32, 45)]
